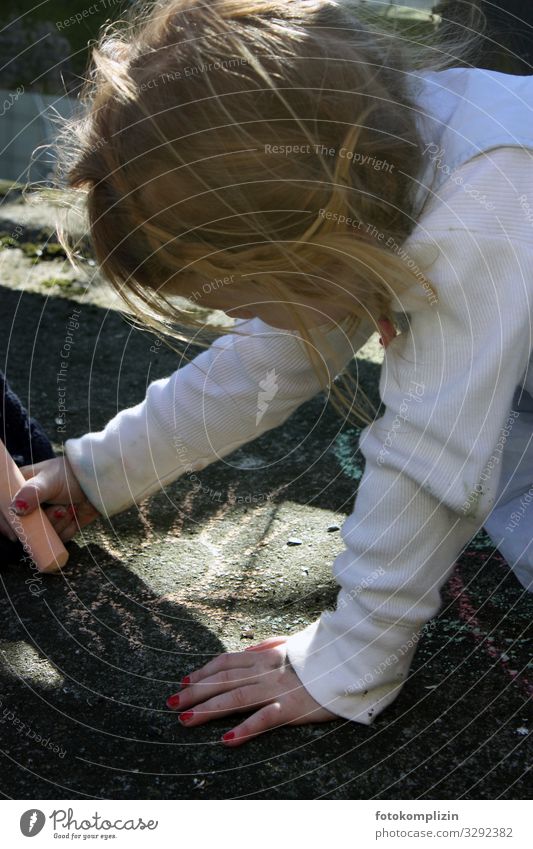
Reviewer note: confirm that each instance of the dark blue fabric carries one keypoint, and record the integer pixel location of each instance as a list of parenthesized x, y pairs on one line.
[(27, 443)]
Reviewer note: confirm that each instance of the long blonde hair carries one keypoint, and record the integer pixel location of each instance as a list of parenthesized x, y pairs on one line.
[(269, 140)]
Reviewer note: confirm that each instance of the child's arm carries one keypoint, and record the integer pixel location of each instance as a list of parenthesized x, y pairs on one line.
[(432, 461), (202, 412)]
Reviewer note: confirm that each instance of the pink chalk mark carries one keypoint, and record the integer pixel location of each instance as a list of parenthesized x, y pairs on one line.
[(468, 614)]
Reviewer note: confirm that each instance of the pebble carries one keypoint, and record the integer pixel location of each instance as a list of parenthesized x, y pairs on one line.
[(294, 541), (333, 527)]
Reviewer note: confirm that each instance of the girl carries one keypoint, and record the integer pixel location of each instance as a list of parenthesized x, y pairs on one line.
[(297, 168)]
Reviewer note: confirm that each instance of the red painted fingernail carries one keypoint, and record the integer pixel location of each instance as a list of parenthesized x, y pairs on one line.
[(229, 735), (187, 716), (59, 514), (173, 701), (20, 504), (185, 681)]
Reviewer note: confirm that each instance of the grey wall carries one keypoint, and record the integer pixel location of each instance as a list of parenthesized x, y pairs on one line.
[(26, 122)]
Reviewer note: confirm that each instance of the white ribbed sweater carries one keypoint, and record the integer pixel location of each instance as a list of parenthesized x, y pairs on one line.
[(432, 460)]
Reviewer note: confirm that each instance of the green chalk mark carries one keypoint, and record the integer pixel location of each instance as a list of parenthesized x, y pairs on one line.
[(347, 453)]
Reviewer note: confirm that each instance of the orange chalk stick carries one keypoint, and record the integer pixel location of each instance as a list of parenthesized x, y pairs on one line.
[(35, 532)]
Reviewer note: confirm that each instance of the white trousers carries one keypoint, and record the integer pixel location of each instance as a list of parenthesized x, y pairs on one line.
[(510, 525)]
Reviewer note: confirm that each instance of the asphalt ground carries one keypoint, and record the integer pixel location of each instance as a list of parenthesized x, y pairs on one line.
[(88, 657)]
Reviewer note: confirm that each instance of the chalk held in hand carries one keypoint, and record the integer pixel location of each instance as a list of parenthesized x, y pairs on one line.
[(34, 531)]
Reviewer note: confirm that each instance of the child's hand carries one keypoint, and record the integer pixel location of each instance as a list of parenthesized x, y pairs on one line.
[(54, 482), (260, 678)]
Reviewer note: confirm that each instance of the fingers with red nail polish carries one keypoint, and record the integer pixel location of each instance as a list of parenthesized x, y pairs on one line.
[(20, 506), (52, 485), (59, 517), (258, 681), (173, 701)]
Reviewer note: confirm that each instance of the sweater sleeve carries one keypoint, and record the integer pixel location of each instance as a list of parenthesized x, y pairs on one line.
[(244, 384), (432, 460)]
